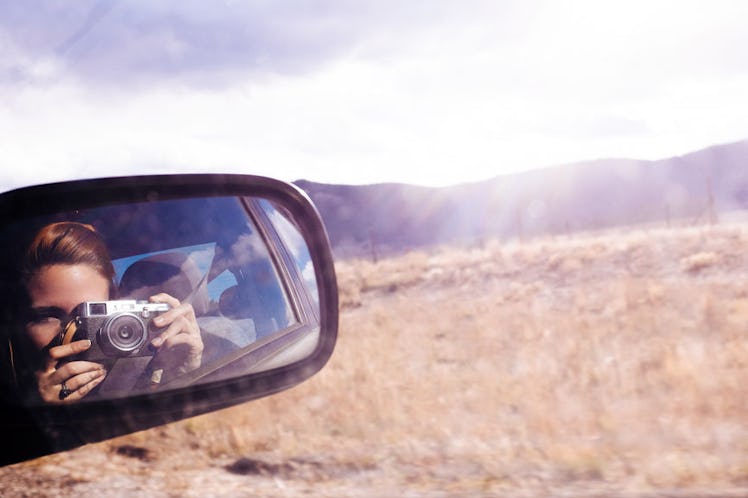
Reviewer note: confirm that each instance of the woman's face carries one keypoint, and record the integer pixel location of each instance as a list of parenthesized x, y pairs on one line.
[(54, 291)]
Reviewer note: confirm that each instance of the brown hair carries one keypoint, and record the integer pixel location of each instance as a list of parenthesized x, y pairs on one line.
[(63, 243), (67, 243)]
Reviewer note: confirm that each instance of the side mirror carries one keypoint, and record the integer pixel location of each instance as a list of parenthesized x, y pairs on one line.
[(239, 269)]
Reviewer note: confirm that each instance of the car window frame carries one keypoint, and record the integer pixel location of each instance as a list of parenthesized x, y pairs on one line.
[(300, 289), (305, 311)]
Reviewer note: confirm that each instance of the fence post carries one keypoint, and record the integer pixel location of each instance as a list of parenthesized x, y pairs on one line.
[(373, 247)]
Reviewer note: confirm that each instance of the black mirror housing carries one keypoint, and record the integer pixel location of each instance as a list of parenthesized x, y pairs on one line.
[(248, 370)]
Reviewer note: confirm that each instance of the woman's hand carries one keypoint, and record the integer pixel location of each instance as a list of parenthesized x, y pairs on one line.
[(70, 381), (179, 348)]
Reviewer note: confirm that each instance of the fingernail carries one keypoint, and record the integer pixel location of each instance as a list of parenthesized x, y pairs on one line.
[(88, 343), (156, 342)]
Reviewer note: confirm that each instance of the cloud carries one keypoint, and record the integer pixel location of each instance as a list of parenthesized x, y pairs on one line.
[(204, 43), (111, 42), (549, 47)]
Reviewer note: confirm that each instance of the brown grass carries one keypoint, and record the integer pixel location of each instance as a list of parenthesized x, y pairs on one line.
[(588, 365)]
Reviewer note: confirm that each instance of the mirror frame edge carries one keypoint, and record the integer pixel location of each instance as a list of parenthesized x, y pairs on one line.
[(39, 431)]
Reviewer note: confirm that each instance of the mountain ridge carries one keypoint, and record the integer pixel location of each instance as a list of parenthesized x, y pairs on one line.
[(586, 195)]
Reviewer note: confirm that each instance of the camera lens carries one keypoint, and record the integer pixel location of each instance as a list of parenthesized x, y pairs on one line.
[(122, 334), (125, 333)]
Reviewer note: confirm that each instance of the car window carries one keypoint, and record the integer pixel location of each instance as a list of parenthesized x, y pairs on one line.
[(244, 299)]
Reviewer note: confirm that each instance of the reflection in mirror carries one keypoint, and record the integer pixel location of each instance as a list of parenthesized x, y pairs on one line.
[(149, 296), (296, 245)]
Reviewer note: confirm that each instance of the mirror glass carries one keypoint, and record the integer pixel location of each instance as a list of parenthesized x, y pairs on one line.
[(150, 296)]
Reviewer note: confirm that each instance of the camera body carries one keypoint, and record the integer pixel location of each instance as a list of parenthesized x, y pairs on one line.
[(117, 329)]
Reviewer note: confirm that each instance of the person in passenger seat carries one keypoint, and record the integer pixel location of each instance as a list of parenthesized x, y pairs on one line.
[(66, 264)]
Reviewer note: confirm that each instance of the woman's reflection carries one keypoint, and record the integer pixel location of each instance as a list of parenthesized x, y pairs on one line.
[(67, 264)]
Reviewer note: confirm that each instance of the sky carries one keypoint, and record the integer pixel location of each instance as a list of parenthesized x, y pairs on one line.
[(428, 92)]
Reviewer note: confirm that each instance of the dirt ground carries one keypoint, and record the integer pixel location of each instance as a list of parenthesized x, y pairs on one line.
[(587, 366)]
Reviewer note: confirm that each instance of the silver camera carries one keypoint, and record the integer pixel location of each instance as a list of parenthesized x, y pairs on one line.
[(117, 329)]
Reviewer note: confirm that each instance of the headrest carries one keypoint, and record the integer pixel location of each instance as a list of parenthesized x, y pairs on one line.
[(174, 273)]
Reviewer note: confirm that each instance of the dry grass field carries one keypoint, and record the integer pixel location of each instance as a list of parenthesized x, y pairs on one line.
[(594, 365)]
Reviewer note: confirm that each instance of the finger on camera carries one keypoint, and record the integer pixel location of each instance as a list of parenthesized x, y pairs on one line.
[(84, 389), (79, 381), (167, 317), (184, 310), (163, 297), (192, 342), (74, 368), (180, 324), (59, 352)]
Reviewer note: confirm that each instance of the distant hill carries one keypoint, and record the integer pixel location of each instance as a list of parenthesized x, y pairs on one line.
[(587, 195)]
